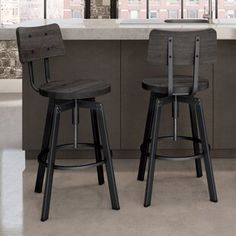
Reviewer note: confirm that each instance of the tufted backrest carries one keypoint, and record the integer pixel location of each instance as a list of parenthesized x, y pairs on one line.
[(40, 42)]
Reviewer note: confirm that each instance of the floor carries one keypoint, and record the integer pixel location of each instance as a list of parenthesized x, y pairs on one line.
[(79, 206), (180, 205)]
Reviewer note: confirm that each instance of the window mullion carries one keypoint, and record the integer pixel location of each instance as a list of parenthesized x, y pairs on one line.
[(216, 9), (45, 9), (182, 9), (147, 9)]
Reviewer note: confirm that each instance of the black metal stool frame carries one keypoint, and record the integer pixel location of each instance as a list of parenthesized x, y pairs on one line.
[(47, 155), (151, 143), (42, 43), (157, 101)]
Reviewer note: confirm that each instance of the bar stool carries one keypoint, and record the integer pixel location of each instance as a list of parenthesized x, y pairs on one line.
[(170, 49), (42, 43)]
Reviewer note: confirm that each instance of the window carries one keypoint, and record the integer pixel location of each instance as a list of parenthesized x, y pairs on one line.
[(172, 2), (65, 8), (163, 9), (226, 9), (230, 14), (15, 11), (153, 14), (195, 8), (230, 1), (154, 6), (134, 14), (192, 2), (192, 13), (132, 9), (173, 14)]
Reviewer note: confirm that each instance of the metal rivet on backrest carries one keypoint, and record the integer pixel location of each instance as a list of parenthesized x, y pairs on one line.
[(46, 34), (29, 36)]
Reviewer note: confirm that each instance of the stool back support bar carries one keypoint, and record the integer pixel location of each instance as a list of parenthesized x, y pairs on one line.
[(182, 48), (39, 43)]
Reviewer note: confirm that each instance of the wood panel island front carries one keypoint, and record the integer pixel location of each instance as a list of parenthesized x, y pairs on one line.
[(115, 51)]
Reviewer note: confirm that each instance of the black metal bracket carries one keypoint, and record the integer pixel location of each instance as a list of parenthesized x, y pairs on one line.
[(196, 65), (31, 75), (170, 66)]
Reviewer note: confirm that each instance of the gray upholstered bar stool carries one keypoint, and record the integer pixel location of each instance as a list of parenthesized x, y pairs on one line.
[(170, 49), (42, 43)]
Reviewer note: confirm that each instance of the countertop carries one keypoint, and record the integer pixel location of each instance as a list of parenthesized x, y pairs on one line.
[(116, 29)]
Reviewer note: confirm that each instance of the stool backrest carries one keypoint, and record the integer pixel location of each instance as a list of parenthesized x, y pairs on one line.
[(39, 43), (182, 47)]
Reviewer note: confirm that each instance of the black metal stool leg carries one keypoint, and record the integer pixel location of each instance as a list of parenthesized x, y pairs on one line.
[(205, 147), (50, 167), (146, 139), (108, 159), (45, 145), (96, 139), (196, 146), (152, 160)]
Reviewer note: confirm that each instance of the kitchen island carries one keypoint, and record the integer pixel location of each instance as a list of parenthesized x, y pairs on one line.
[(115, 51)]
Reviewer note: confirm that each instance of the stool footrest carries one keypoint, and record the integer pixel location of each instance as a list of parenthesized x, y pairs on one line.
[(71, 167), (79, 167), (179, 158), (176, 158), (92, 145)]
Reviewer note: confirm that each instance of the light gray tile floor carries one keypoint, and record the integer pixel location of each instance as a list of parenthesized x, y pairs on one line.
[(79, 206)]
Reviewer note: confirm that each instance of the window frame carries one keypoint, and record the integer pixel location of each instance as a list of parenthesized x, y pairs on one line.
[(114, 9)]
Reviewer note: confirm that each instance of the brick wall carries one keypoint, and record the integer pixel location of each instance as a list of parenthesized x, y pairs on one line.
[(10, 67), (100, 9)]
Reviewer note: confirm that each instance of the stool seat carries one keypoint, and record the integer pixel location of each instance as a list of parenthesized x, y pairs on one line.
[(75, 89), (182, 84)]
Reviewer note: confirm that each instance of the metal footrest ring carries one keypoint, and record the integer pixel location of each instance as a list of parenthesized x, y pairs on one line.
[(176, 158), (71, 167)]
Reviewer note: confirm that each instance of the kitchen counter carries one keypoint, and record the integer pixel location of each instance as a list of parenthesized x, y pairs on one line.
[(108, 29), (116, 51)]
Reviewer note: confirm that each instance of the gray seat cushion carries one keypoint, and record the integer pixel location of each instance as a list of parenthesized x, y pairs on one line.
[(75, 89), (182, 84)]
